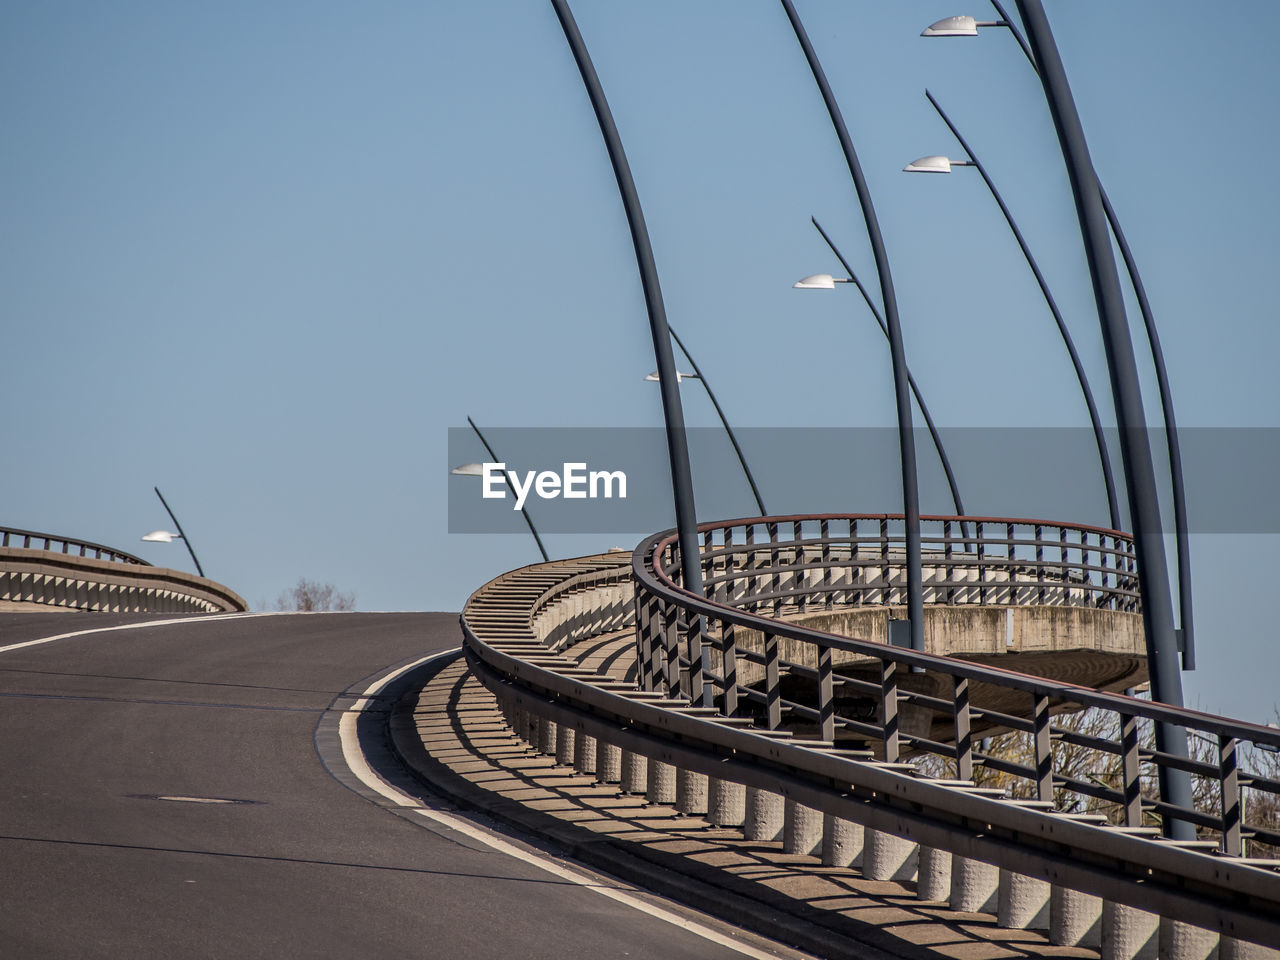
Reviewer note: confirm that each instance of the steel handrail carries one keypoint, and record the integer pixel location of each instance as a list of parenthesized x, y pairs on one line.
[(676, 656), (100, 551), (1233, 894)]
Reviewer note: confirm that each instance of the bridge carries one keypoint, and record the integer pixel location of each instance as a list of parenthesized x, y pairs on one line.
[(295, 784), (740, 704)]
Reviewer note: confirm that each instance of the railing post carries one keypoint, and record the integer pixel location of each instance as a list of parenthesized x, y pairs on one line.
[(772, 690), (671, 638), (1229, 788), (824, 532), (729, 664), (982, 569), (1043, 747), (826, 696), (774, 559), (643, 675), (964, 729), (1039, 535), (1130, 770), (889, 709), (699, 691)]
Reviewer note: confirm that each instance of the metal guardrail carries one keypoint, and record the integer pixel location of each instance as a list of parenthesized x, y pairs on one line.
[(688, 647), (39, 570), (31, 540), (769, 740)]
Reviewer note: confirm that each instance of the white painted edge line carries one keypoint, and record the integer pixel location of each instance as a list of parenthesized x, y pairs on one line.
[(139, 626), (355, 760)]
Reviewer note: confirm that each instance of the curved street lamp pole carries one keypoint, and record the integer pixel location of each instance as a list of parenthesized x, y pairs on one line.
[(1108, 475), (911, 380), (706, 385), (672, 413), (1181, 538), (181, 536), (1157, 607), (1186, 617), (902, 399), (506, 479)]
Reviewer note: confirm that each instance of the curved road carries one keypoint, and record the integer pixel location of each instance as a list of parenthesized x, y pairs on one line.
[(99, 727)]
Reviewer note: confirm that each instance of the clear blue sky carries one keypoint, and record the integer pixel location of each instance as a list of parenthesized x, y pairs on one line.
[(265, 256)]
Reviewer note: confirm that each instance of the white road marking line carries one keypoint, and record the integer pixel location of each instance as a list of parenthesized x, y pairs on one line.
[(138, 626), (356, 762)]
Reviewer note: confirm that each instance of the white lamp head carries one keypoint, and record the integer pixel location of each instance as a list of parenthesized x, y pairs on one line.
[(952, 27), (468, 470), (818, 281), (161, 536), (680, 375), (929, 165)]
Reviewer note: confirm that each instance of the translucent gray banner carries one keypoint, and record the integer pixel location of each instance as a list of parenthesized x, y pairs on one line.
[(1230, 476)]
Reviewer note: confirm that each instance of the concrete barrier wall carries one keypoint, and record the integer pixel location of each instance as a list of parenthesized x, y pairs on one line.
[(36, 579)]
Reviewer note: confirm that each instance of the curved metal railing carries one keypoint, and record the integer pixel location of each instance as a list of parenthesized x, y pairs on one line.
[(779, 564), (31, 540), (690, 646), (879, 765)]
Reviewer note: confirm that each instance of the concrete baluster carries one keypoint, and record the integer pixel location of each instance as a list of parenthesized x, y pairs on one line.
[(608, 762), (661, 787), (1023, 902), (691, 792), (1129, 933), (1075, 918), (974, 886), (565, 738), (634, 773), (1230, 948), (546, 736), (933, 876), (888, 857), (764, 815), (841, 842), (801, 829), (1182, 941), (584, 753), (726, 803)]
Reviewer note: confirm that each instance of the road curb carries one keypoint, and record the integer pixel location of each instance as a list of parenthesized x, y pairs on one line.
[(805, 929)]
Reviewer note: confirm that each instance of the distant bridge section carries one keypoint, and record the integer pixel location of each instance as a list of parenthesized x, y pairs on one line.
[(41, 571)]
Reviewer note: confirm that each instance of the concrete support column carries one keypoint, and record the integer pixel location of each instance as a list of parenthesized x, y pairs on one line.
[(1129, 933), (608, 762), (801, 829), (726, 803), (974, 886), (1023, 902), (546, 736), (661, 787), (634, 772), (533, 731), (584, 753), (933, 877), (565, 737), (516, 717), (841, 842), (887, 857), (691, 792), (1075, 919), (1181, 941), (1230, 948), (763, 819)]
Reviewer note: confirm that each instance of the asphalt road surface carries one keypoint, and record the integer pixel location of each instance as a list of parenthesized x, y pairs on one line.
[(98, 729)]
